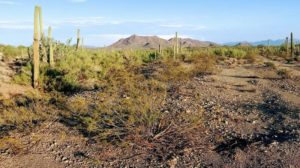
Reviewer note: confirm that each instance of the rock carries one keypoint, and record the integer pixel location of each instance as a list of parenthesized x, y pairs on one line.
[(64, 158), (172, 163), (275, 143)]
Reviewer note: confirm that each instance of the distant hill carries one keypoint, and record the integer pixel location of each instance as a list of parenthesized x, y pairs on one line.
[(244, 44), (153, 42), (271, 42), (263, 42), (140, 42), (188, 42)]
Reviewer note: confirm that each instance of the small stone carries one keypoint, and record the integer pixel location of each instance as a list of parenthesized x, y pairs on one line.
[(172, 163), (64, 158), (275, 143)]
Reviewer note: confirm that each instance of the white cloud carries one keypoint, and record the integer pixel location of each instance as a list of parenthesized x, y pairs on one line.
[(78, 1), (22, 25), (80, 21), (97, 21), (8, 2), (172, 25), (104, 39), (183, 26), (169, 36), (16, 25)]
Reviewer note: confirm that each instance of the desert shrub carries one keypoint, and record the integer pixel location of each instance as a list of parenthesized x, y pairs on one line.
[(14, 144), (284, 73), (235, 53), (126, 106), (251, 55), (204, 66), (24, 111), (270, 65), (239, 53), (11, 52), (219, 52), (274, 52), (173, 70), (24, 76)]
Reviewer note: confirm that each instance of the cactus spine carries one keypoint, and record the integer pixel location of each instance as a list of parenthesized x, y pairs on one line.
[(78, 39), (292, 45), (36, 45), (50, 56)]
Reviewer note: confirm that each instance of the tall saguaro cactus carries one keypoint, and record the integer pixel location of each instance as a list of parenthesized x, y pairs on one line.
[(41, 23), (82, 43), (42, 37), (287, 46), (78, 39), (36, 47), (50, 56), (177, 43), (159, 49), (292, 45)]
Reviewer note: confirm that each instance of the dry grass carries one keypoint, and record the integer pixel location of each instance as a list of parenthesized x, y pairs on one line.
[(14, 145), (270, 65), (285, 73)]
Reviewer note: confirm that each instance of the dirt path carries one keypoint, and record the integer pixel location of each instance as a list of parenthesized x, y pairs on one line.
[(7, 87), (293, 68), (245, 78)]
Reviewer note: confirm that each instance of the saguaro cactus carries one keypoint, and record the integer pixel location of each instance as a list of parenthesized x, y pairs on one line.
[(41, 23), (174, 51), (177, 43), (175, 46), (159, 49), (42, 37), (287, 46), (36, 44), (82, 43), (50, 54), (78, 39), (292, 45)]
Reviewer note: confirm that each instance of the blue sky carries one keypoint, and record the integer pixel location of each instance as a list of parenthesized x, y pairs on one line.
[(104, 21)]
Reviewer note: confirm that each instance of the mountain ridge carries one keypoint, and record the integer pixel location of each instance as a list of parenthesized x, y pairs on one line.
[(153, 42)]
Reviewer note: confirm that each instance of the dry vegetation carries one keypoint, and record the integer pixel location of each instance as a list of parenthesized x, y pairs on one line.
[(141, 101)]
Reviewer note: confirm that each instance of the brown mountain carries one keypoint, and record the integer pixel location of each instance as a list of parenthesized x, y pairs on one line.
[(188, 42), (153, 42), (140, 42)]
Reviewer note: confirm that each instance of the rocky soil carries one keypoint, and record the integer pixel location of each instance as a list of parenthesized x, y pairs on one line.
[(250, 119)]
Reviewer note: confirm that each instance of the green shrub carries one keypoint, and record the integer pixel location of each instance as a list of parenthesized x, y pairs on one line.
[(11, 52)]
